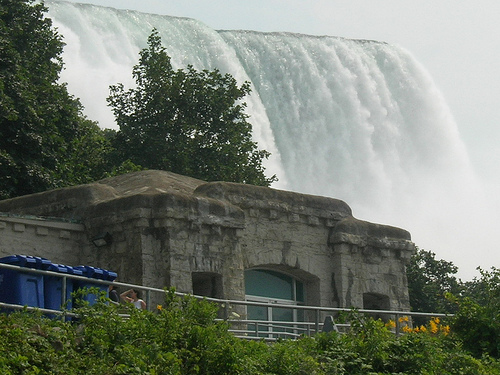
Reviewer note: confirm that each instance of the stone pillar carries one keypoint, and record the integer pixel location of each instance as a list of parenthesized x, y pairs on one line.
[(370, 264)]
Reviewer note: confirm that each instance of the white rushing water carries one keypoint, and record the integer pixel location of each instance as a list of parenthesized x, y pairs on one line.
[(360, 121)]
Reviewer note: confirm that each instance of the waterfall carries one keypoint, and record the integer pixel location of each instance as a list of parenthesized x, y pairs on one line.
[(357, 120)]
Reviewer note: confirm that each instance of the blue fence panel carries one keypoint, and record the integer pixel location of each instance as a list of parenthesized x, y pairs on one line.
[(53, 286), (94, 273), (46, 291), (22, 288)]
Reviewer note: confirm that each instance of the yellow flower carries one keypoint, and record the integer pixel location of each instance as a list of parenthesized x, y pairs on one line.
[(159, 307), (404, 319), (433, 326), (390, 324), (445, 330), (407, 329), (423, 329)]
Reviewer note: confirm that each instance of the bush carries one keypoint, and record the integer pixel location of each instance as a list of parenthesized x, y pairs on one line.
[(371, 348), (477, 322), (183, 337)]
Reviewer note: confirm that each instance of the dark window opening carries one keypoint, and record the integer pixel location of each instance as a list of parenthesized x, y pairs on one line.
[(375, 301), (207, 284)]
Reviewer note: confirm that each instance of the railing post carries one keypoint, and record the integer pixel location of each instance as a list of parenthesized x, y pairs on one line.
[(316, 322), (227, 308), (398, 325), (148, 300), (63, 290)]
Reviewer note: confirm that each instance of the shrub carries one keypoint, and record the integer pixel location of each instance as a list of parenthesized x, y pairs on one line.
[(183, 337), (477, 322)]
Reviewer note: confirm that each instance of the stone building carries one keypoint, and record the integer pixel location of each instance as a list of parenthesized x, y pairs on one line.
[(216, 239)]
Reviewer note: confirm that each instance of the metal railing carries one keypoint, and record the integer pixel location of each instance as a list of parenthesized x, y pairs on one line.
[(268, 330)]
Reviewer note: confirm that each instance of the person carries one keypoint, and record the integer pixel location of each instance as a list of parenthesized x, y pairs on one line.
[(113, 295), (132, 296)]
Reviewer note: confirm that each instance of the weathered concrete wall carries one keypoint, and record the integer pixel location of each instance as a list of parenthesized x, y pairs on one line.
[(57, 240), (370, 261), (286, 232), (342, 261), (171, 230)]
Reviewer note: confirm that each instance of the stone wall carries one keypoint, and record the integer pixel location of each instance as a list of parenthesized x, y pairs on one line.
[(286, 232), (171, 230), (55, 239)]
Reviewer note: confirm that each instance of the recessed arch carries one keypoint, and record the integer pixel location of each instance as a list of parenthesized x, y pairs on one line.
[(271, 286)]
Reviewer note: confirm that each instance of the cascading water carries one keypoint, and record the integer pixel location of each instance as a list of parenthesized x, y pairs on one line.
[(356, 120)]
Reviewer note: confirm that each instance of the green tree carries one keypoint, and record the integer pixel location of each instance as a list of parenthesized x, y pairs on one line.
[(429, 282), (484, 289), (477, 322), (45, 141), (86, 155), (186, 121)]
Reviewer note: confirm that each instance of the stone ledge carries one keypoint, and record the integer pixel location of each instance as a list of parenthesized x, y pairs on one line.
[(265, 198), (42, 223), (363, 233), (360, 241)]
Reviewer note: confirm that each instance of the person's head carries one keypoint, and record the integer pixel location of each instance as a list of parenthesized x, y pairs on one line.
[(135, 293)]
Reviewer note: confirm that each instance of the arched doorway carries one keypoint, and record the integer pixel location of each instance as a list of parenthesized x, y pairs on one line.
[(272, 288), (377, 301)]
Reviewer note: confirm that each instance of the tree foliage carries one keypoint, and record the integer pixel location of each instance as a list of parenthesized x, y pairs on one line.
[(433, 287), (477, 321), (186, 121), (45, 141), (429, 282)]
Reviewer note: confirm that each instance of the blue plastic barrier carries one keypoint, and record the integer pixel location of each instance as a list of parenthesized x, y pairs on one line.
[(53, 286), (94, 273), (46, 291), (39, 262), (22, 288)]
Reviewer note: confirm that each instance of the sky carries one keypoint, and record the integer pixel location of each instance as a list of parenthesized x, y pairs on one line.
[(457, 41)]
